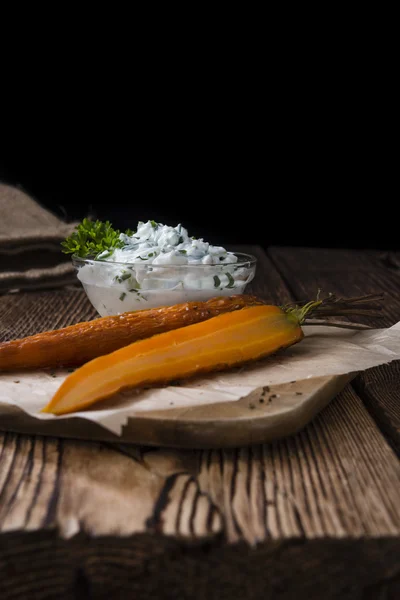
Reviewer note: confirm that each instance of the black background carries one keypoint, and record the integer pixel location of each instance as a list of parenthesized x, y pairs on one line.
[(297, 197), (298, 159)]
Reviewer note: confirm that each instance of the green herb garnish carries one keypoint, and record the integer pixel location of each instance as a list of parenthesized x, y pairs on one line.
[(217, 281), (231, 280), (138, 293), (103, 255), (122, 296), (122, 277), (183, 251), (92, 238), (154, 224)]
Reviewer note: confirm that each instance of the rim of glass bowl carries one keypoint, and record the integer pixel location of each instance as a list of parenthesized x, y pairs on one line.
[(244, 260)]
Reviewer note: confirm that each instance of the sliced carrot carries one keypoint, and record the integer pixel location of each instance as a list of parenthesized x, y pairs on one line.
[(218, 343), (77, 344)]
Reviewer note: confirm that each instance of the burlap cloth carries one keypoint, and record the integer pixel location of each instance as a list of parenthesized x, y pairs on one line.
[(30, 251)]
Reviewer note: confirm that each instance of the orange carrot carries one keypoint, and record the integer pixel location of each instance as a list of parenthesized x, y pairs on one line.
[(77, 344), (218, 343)]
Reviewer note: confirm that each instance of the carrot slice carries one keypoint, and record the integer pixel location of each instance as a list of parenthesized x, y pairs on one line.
[(218, 343), (77, 344)]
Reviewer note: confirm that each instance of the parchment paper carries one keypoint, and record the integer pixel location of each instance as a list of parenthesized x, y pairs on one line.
[(324, 351)]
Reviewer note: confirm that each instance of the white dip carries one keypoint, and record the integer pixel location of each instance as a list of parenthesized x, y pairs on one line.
[(159, 266)]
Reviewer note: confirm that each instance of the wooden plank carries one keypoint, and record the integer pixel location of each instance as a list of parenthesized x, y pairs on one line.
[(43, 566), (337, 478), (258, 417), (343, 272), (390, 259), (379, 389), (99, 489), (33, 312), (353, 273), (267, 283)]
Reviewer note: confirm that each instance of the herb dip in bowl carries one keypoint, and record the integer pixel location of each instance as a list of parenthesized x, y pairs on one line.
[(159, 265)]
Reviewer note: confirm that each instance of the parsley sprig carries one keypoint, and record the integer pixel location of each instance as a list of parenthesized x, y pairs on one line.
[(92, 238)]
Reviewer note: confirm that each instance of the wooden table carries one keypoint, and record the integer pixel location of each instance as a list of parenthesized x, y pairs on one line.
[(316, 515)]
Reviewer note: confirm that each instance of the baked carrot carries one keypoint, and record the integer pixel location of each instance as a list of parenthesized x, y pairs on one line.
[(215, 344), (77, 344)]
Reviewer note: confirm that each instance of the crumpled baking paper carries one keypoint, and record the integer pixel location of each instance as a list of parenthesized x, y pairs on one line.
[(324, 351)]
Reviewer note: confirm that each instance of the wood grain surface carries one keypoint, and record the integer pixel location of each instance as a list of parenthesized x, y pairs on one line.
[(352, 273), (315, 514), (266, 414)]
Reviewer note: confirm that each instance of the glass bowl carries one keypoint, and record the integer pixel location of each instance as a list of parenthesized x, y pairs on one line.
[(114, 288)]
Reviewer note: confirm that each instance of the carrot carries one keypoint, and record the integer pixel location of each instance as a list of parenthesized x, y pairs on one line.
[(77, 344), (218, 343)]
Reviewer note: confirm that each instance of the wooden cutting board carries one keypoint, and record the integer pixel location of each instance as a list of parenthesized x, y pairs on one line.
[(266, 414)]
